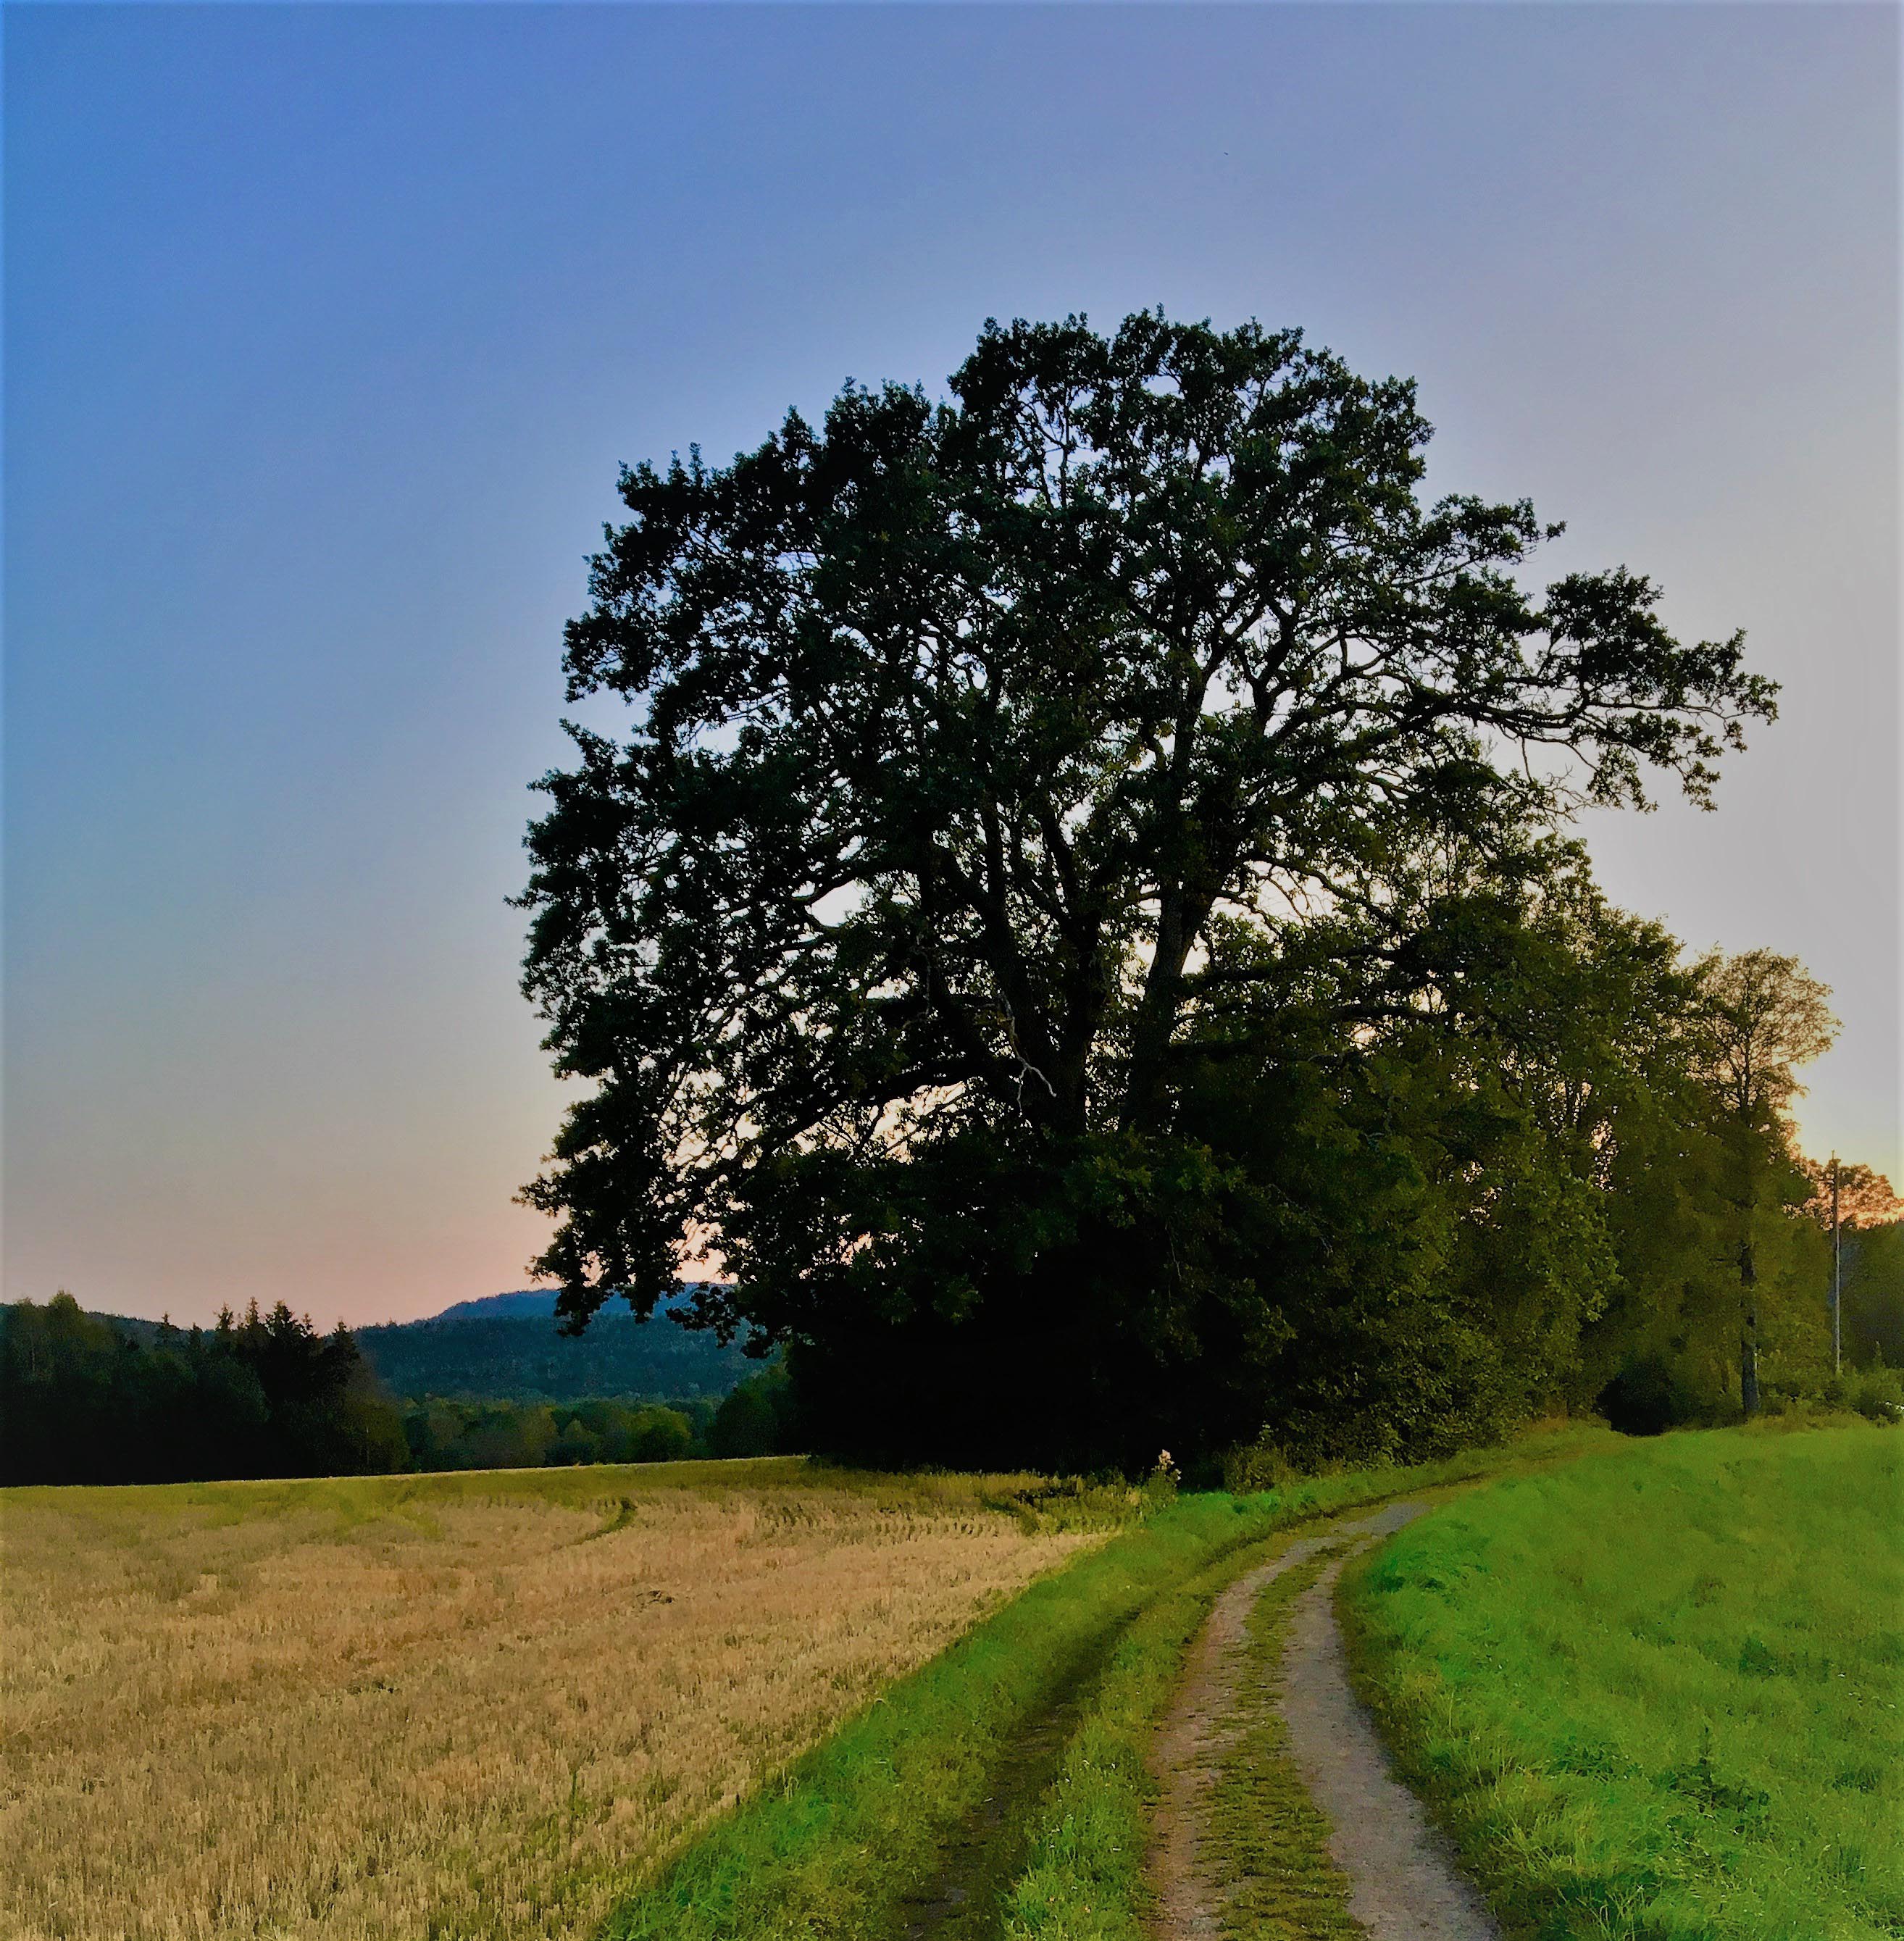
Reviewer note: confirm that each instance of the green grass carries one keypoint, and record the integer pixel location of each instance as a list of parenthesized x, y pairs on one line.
[(357, 1499), (1083, 1878), (1659, 1694)]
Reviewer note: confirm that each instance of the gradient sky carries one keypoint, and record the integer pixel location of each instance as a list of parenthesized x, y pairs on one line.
[(327, 327)]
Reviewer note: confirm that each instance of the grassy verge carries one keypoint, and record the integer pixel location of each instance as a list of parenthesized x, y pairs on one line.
[(1084, 1877), (1657, 1696)]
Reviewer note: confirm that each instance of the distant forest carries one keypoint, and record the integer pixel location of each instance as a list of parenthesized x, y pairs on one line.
[(522, 1358), (92, 1398)]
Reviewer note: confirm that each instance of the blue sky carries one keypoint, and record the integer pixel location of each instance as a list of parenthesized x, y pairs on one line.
[(327, 327)]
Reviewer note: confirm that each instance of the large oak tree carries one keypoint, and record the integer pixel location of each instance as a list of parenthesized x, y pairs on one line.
[(979, 754)]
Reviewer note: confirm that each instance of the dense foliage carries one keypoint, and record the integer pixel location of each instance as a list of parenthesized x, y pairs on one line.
[(522, 1357), (514, 1436), (1874, 1296), (1080, 920), (88, 1399), (84, 1401), (751, 1421)]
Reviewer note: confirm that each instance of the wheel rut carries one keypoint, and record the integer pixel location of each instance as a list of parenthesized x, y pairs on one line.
[(1401, 1883), (963, 1900)]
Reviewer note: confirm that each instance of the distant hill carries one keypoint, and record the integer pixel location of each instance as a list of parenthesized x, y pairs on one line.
[(504, 1347), (534, 1301), (538, 1303)]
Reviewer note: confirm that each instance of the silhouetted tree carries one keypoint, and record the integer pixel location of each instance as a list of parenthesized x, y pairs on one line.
[(976, 750)]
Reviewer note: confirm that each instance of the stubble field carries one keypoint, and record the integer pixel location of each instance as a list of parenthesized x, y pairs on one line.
[(465, 1705)]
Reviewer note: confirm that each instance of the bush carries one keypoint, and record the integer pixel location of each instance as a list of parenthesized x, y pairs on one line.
[(659, 1435), (1257, 1466), (744, 1425), (1647, 1397), (576, 1444), (1877, 1394)]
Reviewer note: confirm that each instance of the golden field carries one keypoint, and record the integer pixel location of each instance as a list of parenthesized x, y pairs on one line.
[(445, 1706)]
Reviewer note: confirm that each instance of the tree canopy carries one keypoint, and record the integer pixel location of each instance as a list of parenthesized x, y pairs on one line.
[(1059, 829)]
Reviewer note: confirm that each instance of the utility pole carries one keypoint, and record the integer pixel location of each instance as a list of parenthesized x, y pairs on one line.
[(1837, 1275)]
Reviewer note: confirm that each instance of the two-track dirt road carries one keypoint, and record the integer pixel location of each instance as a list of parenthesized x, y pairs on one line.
[(1386, 1873), (1401, 1883)]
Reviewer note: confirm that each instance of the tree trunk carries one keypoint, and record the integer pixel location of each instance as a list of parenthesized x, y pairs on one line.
[(1748, 1330), (1146, 1087)]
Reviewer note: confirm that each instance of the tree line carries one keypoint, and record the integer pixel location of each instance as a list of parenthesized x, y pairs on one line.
[(265, 1394), (1083, 918), (751, 1419)]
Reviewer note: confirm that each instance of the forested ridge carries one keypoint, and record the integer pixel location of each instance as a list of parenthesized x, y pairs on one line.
[(523, 1357)]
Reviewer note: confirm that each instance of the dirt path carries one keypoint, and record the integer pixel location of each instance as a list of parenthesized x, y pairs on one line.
[(1403, 1886), (1200, 1727)]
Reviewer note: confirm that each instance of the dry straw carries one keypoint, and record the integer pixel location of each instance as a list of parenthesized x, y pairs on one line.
[(369, 1710)]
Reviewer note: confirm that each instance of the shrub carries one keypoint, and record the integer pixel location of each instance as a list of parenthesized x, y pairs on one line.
[(1647, 1397), (1877, 1394), (744, 1425), (1256, 1466), (658, 1435)]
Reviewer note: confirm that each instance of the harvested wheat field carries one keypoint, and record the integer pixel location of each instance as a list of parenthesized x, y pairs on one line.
[(470, 1705)]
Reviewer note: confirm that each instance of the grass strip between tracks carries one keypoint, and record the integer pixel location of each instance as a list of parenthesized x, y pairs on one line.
[(849, 1840), (1269, 1841)]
